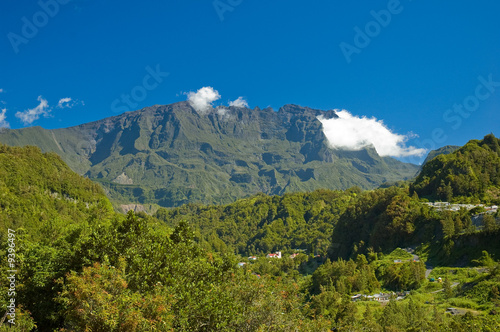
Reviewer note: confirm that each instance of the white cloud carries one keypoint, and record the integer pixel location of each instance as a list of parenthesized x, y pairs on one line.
[(68, 102), (202, 99), (353, 133), (3, 123), (65, 102), (240, 102), (30, 115), (1, 90)]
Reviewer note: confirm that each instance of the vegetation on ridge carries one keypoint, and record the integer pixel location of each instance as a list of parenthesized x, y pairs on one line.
[(472, 173)]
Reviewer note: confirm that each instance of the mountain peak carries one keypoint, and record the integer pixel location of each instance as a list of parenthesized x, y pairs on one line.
[(301, 110), (174, 154)]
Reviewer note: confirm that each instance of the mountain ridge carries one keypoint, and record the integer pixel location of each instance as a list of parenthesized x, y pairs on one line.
[(447, 149), (174, 154)]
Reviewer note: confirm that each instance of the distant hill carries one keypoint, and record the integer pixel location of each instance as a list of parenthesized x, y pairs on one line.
[(444, 150), (171, 154), (470, 173)]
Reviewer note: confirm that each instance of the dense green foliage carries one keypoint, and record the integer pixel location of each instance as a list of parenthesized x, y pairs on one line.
[(107, 272), (39, 190), (346, 277), (264, 224), (379, 221), (82, 267), (470, 173)]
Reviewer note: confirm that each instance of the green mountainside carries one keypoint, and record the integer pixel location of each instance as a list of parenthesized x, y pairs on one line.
[(471, 173), (171, 155), (70, 263), (343, 224), (37, 188), (82, 267)]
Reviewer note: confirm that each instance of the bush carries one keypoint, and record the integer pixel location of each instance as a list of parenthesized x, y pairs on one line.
[(463, 303)]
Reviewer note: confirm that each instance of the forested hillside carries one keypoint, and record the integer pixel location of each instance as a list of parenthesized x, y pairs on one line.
[(40, 190), (379, 221), (263, 224), (472, 173), (82, 267), (338, 224)]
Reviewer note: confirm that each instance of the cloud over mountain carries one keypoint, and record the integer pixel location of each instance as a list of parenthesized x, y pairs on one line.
[(349, 132), (202, 99), (240, 102)]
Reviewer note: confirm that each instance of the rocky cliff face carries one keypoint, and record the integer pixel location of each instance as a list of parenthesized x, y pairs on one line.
[(172, 154)]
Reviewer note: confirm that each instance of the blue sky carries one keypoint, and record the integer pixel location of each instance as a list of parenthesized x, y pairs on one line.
[(414, 65)]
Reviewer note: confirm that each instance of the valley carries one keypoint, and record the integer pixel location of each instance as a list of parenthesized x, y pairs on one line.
[(339, 265)]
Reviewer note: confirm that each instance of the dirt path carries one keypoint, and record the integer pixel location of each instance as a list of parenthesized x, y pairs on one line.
[(455, 284)]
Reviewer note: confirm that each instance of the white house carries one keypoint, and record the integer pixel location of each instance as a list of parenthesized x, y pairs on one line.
[(276, 255)]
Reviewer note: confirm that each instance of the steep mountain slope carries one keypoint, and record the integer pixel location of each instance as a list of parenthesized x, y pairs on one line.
[(172, 154), (470, 173)]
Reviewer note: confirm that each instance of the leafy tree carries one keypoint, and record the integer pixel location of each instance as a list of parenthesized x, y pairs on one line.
[(490, 223), (98, 299), (447, 288)]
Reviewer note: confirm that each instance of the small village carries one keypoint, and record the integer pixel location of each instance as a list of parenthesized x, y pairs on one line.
[(446, 206), (277, 254), (380, 297)]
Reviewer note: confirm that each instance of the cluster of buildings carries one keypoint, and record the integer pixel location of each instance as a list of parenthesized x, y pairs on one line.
[(380, 297), (446, 206), (277, 254)]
